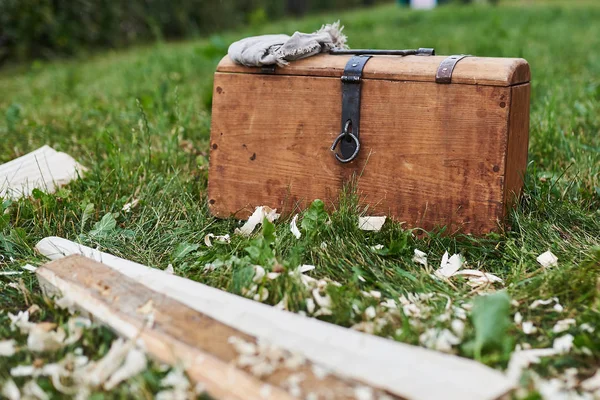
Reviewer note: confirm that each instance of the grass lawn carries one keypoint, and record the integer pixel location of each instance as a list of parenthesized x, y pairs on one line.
[(140, 121)]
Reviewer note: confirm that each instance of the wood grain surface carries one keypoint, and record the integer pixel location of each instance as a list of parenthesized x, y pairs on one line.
[(471, 70), (432, 155), (518, 143), (180, 335)]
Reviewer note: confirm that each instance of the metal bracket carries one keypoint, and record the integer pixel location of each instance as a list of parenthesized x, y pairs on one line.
[(351, 90), (267, 69), (444, 72), (377, 52)]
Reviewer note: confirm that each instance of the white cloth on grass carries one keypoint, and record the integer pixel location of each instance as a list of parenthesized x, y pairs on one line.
[(257, 51)]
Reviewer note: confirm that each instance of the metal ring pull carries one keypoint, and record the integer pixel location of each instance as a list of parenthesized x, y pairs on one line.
[(344, 135)]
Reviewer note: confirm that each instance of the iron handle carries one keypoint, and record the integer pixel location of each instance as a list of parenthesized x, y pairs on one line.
[(375, 52)]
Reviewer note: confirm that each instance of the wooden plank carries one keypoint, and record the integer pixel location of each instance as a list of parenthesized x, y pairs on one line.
[(471, 70), (431, 155), (178, 334), (403, 370), (44, 169), (518, 143)]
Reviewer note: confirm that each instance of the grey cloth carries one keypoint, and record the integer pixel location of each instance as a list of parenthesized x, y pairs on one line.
[(257, 51)]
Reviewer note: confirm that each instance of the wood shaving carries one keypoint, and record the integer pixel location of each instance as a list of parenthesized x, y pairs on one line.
[(127, 207), (7, 348), (449, 265), (263, 358), (458, 327), (323, 311), (310, 305), (10, 390), (563, 325), (259, 274), (178, 385), (241, 346), (528, 328), (563, 344), (319, 371), (592, 383), (262, 295), (66, 303), (273, 275), (420, 257), (294, 228), (543, 302), (363, 393), (305, 268), (389, 303), (365, 326), (370, 312), (260, 213), (547, 259), (283, 303), (440, 340), (76, 326), (135, 363), (373, 224), (518, 318), (322, 301), (146, 308), (520, 360), (558, 308), (265, 391), (585, 327), (97, 373), (218, 238), (41, 339), (479, 278), (31, 390), (292, 384)]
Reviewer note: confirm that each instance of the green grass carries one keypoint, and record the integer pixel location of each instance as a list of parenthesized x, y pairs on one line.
[(140, 121)]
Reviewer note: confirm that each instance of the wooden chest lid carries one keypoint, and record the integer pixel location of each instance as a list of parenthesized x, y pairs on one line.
[(470, 70)]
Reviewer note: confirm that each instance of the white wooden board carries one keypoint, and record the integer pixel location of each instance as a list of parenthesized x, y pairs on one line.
[(407, 371)]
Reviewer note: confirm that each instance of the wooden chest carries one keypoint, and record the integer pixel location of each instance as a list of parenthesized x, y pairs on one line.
[(449, 151)]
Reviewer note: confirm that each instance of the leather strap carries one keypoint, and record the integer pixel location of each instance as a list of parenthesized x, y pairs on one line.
[(351, 91), (444, 72)]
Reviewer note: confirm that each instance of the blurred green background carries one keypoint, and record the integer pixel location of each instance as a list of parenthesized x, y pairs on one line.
[(48, 29), (52, 28)]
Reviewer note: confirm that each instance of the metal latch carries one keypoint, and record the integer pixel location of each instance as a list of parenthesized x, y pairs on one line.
[(351, 89), (348, 139)]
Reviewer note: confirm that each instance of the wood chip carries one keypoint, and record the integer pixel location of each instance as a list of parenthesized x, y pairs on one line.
[(592, 383), (44, 169), (449, 265), (7, 348), (294, 228), (260, 213), (373, 224), (547, 259), (420, 257)]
